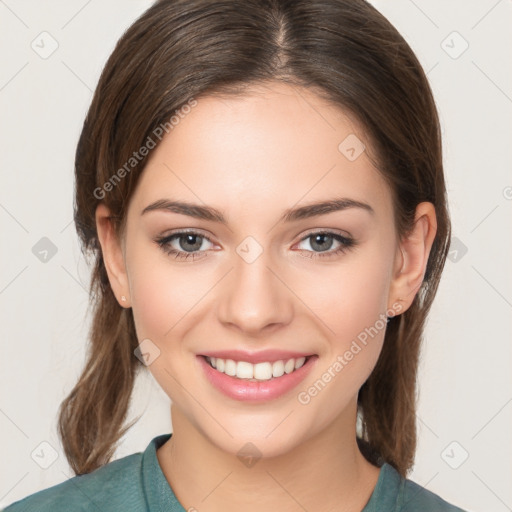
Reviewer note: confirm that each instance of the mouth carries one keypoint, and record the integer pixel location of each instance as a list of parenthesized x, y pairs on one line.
[(259, 381), (258, 372)]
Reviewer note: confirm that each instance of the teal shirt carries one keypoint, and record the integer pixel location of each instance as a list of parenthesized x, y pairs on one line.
[(136, 483)]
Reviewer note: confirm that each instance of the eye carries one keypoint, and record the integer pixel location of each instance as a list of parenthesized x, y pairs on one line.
[(324, 240), (184, 244), (190, 244)]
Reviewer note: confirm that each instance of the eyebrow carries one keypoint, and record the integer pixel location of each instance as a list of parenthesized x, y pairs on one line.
[(292, 214)]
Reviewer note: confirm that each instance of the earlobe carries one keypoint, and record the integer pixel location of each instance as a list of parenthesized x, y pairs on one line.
[(113, 257), (412, 257)]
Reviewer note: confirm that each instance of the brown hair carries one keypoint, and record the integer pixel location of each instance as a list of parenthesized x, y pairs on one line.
[(345, 51)]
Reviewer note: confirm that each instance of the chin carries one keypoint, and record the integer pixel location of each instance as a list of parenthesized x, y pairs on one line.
[(250, 439)]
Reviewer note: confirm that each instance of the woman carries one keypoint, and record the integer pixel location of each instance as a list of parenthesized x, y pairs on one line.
[(261, 187)]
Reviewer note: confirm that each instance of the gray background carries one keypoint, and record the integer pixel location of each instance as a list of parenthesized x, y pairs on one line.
[(465, 405)]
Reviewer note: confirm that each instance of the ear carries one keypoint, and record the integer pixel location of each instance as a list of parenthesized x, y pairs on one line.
[(113, 256), (412, 257)]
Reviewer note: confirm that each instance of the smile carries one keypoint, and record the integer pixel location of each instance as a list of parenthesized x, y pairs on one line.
[(255, 382), (256, 372)]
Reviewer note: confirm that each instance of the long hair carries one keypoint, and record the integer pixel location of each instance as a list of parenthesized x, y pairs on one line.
[(343, 50)]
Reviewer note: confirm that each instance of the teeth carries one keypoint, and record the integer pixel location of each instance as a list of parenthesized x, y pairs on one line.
[(230, 367), (289, 366), (299, 362), (255, 372), (277, 369), (244, 370)]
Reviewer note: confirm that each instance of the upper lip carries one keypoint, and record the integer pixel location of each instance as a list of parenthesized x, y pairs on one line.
[(262, 356)]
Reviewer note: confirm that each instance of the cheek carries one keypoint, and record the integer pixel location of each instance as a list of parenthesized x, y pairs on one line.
[(158, 292), (352, 305), (363, 301), (357, 324), (161, 299), (168, 298), (349, 297)]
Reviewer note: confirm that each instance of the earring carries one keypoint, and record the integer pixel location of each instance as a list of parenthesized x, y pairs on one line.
[(123, 298)]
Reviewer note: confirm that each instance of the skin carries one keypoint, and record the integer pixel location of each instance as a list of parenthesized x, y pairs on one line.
[(253, 156)]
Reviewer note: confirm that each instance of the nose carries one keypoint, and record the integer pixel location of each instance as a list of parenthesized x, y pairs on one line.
[(255, 298)]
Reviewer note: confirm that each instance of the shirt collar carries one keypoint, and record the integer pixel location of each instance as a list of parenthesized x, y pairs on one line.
[(157, 491), (387, 491)]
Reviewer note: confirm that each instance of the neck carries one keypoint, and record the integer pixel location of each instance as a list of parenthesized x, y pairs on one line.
[(206, 478)]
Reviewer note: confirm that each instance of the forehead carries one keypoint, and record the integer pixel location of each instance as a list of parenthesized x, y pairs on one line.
[(270, 148)]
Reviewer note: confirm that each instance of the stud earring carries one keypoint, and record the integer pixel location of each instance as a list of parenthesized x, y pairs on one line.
[(123, 298)]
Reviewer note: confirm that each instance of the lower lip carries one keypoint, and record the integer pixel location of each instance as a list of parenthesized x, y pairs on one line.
[(245, 390)]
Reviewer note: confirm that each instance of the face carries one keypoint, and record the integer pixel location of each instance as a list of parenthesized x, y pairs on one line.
[(317, 284)]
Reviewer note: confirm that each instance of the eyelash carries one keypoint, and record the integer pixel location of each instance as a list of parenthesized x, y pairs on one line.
[(164, 243)]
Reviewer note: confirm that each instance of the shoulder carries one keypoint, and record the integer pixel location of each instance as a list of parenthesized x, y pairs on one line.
[(394, 493), (415, 497), (115, 486)]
